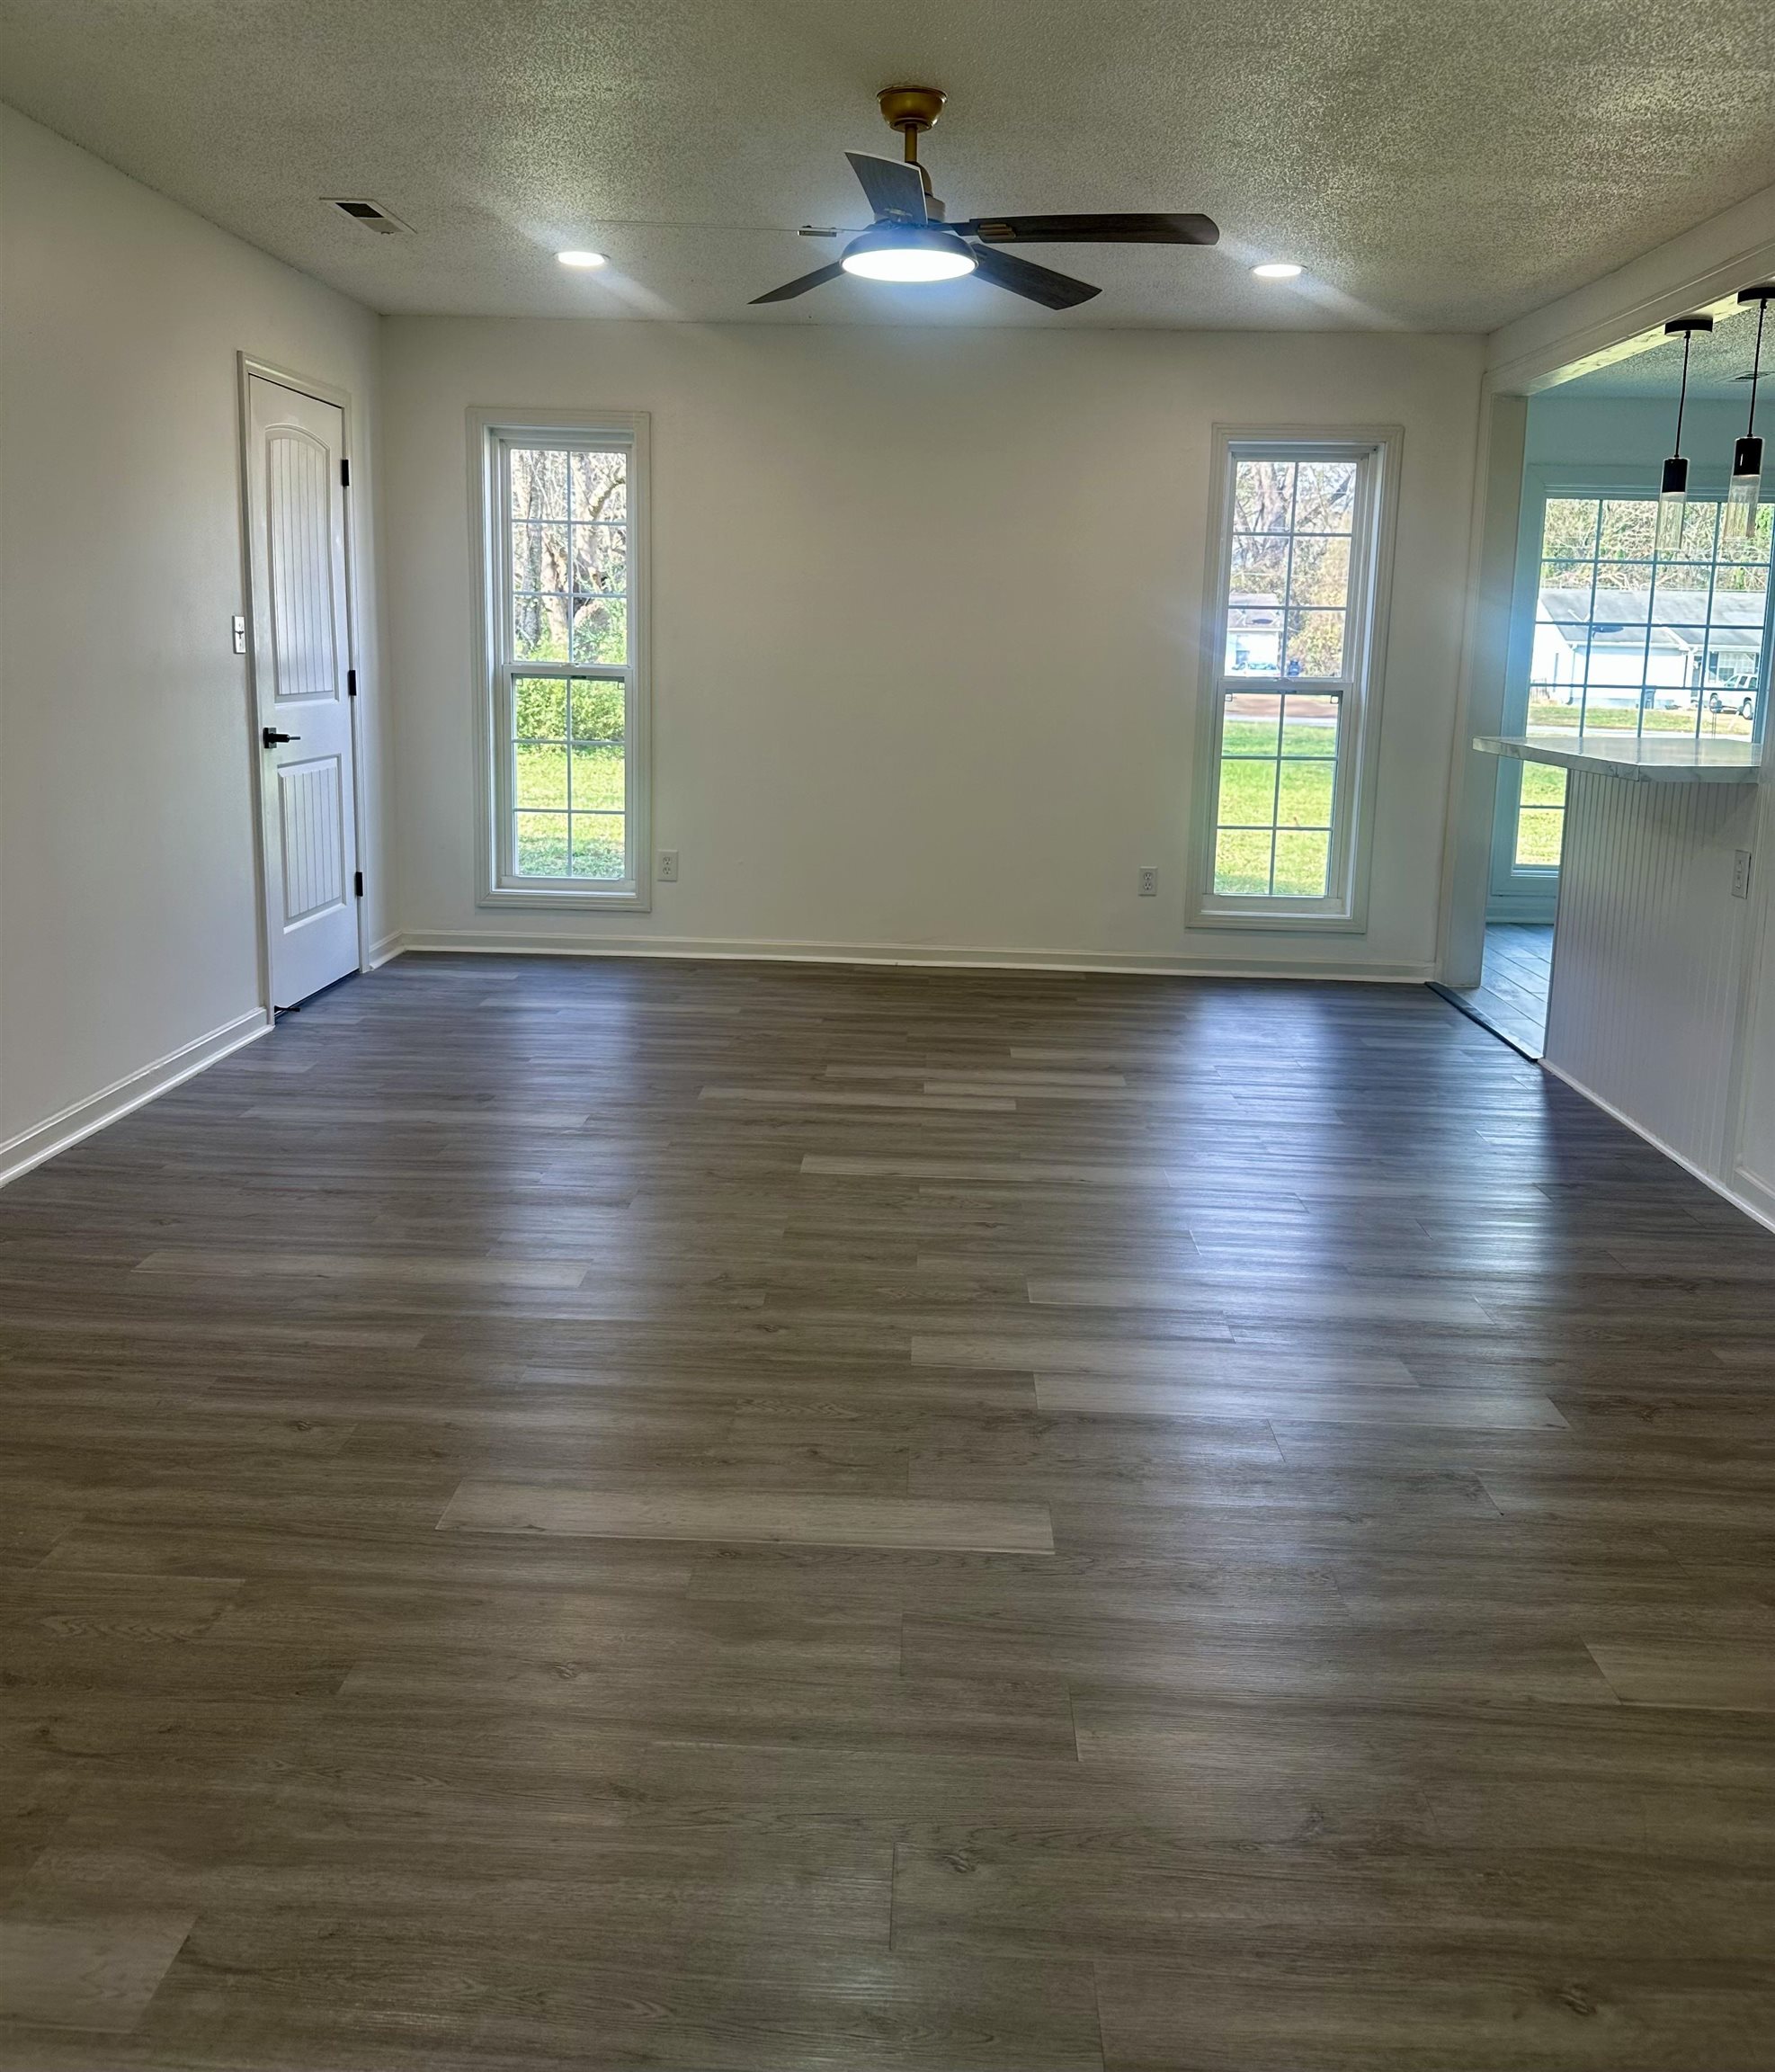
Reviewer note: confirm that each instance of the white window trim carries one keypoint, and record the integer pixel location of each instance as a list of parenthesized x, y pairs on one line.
[(1530, 892), (489, 431), (1344, 907)]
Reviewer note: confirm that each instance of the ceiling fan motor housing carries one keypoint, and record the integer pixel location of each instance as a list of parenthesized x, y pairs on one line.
[(910, 109)]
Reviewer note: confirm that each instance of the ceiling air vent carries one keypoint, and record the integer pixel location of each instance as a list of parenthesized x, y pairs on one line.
[(372, 215)]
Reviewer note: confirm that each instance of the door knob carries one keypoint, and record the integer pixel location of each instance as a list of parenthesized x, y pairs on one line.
[(271, 737)]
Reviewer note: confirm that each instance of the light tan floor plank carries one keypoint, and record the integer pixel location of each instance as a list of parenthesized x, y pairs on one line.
[(785, 1520), (96, 1973)]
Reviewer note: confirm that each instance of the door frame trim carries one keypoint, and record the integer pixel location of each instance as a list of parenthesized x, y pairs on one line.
[(248, 365)]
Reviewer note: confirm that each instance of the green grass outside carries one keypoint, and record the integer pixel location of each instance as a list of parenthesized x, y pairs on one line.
[(552, 842), (1543, 784), (1242, 863), (1252, 795), (1539, 832), (546, 769), (1547, 716), (570, 845), (1280, 773), (1540, 826)]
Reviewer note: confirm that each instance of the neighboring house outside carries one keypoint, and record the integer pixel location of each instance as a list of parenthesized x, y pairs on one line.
[(1661, 648)]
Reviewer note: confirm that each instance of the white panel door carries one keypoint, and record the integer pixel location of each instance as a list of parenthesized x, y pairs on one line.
[(301, 654)]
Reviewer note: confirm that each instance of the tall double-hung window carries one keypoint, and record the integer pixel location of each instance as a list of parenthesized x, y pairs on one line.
[(564, 633), (1293, 677)]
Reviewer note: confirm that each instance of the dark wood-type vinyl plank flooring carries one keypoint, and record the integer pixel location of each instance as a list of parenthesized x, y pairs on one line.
[(1515, 979), (574, 1514)]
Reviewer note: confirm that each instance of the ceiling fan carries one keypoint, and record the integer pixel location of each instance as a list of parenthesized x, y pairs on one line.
[(909, 239)]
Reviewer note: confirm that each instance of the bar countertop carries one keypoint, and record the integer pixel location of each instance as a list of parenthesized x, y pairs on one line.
[(1683, 760)]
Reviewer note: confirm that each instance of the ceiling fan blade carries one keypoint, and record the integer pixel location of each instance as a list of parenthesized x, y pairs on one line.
[(896, 191), (1093, 230), (1034, 284), (790, 289)]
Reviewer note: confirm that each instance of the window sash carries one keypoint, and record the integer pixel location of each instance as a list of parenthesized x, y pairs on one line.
[(1350, 691), (506, 669)]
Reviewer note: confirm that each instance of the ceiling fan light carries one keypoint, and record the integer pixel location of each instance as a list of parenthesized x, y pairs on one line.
[(1278, 270), (581, 259), (891, 264), (907, 252)]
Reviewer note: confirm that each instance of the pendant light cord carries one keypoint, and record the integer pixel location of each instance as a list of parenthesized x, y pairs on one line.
[(1756, 367), (1682, 393)]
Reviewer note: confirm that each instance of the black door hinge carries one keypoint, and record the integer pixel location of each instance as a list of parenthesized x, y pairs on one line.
[(351, 683), (357, 883), (344, 474)]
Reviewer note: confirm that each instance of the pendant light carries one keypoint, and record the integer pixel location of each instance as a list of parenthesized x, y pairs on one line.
[(1673, 498), (1747, 454)]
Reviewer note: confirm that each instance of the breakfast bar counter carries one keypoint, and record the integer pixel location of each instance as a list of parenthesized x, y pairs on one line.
[(1649, 947)]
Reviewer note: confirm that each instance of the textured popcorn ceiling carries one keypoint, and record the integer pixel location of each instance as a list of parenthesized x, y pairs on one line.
[(1436, 163), (1719, 360)]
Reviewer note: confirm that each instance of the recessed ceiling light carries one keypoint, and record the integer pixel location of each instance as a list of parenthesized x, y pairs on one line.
[(1278, 270), (581, 258)]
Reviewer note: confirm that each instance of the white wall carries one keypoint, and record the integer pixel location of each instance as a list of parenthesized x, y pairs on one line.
[(926, 607), (1751, 1170), (1569, 429), (128, 905)]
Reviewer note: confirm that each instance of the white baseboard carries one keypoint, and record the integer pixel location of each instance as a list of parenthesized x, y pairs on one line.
[(497, 943), (19, 1153), (1753, 1195), (1743, 1191), (390, 946)]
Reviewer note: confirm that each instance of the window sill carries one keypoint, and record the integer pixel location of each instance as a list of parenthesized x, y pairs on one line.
[(627, 898), (1273, 917)]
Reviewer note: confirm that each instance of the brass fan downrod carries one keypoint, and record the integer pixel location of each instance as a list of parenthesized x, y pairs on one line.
[(912, 109)]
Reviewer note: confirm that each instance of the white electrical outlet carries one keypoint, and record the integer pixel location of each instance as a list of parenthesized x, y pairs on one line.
[(667, 872), (1741, 874), (1149, 881)]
